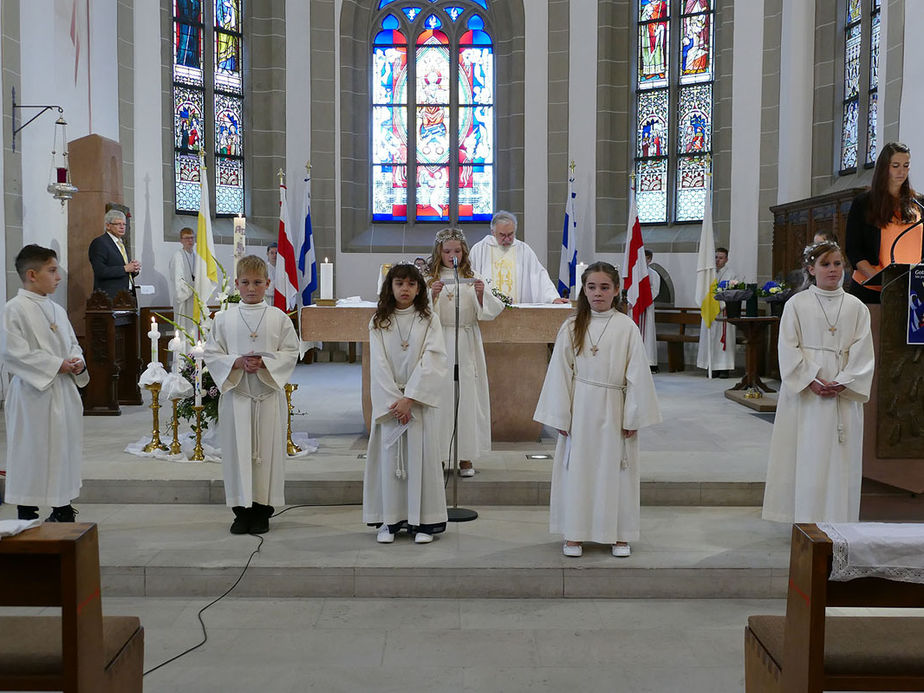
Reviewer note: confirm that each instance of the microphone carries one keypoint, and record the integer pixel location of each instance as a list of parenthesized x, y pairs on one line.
[(455, 261), (899, 236)]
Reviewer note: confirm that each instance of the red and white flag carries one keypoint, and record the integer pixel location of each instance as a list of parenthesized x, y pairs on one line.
[(636, 282), (285, 280)]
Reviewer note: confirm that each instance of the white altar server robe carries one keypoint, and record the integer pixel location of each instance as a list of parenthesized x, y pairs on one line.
[(181, 280), (252, 409), (531, 280), (474, 399), (649, 333), (403, 479), (44, 413), (721, 335), (595, 474), (813, 476)]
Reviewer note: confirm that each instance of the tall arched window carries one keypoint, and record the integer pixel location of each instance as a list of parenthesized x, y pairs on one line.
[(432, 67), (674, 96), (208, 102), (861, 90)]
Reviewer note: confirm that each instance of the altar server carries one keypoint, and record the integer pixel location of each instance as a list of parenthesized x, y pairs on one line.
[(403, 480), (44, 414), (251, 353), (597, 393), (826, 365), (720, 337), (474, 303), (182, 268)]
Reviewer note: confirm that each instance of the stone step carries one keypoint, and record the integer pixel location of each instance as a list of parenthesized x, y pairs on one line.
[(186, 551)]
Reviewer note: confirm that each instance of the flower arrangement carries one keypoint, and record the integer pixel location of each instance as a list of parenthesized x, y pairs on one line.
[(732, 290), (774, 291), (503, 298)]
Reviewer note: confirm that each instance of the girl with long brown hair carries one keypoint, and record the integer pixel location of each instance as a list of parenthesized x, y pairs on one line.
[(597, 393)]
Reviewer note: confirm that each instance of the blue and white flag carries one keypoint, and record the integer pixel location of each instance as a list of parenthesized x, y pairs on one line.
[(568, 263), (307, 263)]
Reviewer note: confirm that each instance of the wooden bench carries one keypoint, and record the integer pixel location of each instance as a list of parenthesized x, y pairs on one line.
[(675, 338), (806, 652), (80, 651)]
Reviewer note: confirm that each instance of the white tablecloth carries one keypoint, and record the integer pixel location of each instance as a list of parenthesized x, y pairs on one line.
[(890, 550)]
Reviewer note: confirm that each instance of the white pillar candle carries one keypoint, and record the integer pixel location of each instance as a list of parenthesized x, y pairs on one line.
[(578, 271), (327, 279), (240, 241), (154, 335), (197, 352), (176, 346)]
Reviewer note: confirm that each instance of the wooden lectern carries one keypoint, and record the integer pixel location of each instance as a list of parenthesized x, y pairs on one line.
[(113, 354), (893, 432)]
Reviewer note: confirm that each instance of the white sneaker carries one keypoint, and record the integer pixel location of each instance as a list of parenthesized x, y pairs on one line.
[(467, 471), (572, 550), (622, 550), (423, 538), (384, 536)]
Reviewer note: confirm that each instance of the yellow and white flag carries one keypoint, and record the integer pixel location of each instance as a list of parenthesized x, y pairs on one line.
[(706, 280), (206, 272)]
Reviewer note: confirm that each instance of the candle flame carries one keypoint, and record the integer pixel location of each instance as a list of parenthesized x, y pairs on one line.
[(325, 260)]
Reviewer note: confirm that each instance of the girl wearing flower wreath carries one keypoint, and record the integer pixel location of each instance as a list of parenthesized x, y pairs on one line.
[(826, 365), (403, 479), (598, 392), (474, 432)]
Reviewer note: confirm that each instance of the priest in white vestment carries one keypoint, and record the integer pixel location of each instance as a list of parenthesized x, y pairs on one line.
[(595, 397), (721, 335), (510, 266), (403, 479), (816, 452), (182, 266), (44, 412)]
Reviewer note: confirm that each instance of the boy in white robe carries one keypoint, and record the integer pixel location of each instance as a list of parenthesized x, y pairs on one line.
[(182, 265), (44, 414), (597, 393), (721, 335), (403, 480), (826, 365), (251, 352)]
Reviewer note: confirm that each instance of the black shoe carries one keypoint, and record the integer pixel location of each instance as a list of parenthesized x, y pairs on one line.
[(260, 515), (63, 514), (242, 520), (723, 375), (27, 512), (655, 369)]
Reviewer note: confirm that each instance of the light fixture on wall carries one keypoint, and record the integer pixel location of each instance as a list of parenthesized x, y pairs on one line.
[(59, 184)]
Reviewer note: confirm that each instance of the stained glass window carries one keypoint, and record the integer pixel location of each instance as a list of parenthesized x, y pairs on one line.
[(853, 37), (673, 108), (200, 126), (872, 114), (447, 93)]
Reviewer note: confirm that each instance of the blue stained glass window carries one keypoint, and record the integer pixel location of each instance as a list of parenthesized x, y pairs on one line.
[(449, 157), (411, 12), (872, 111), (382, 3)]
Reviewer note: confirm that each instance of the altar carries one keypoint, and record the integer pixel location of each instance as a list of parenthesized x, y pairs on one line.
[(516, 350)]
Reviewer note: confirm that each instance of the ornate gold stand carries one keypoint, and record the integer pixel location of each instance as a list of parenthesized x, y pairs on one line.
[(155, 443), (175, 448), (198, 454), (291, 448)]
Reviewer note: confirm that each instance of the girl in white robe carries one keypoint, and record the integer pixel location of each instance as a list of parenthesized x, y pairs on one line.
[(403, 479), (598, 392), (474, 304), (44, 413), (826, 365), (252, 408)]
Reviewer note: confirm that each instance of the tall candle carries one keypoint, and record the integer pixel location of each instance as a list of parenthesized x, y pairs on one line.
[(327, 279), (197, 351), (176, 346), (154, 335), (578, 271), (240, 240)]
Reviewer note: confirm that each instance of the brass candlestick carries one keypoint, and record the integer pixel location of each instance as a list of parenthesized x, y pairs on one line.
[(175, 448), (155, 443), (291, 448), (198, 454)]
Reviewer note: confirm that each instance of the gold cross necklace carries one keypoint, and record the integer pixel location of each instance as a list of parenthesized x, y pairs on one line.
[(593, 344), (253, 330), (405, 341), (832, 328)]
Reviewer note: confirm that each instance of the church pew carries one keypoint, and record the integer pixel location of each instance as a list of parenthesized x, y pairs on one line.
[(806, 651), (81, 651), (676, 337)]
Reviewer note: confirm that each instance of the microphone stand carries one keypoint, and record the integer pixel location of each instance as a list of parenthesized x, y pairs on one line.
[(455, 513)]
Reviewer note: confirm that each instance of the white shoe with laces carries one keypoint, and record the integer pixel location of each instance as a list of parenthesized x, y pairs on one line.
[(423, 538), (384, 536)]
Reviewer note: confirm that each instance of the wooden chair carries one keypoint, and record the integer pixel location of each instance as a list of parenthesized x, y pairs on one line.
[(81, 651), (805, 652)]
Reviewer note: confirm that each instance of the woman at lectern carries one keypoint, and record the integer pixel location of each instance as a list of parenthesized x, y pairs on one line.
[(876, 219)]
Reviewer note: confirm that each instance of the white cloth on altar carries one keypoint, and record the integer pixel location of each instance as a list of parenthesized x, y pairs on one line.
[(649, 336), (474, 438), (595, 488), (181, 288), (44, 412), (404, 481), (531, 280), (252, 408), (721, 335), (891, 550), (813, 476)]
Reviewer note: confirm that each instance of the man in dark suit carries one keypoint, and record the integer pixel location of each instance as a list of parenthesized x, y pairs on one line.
[(113, 271)]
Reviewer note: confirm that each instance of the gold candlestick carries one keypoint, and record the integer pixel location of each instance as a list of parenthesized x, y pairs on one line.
[(198, 454), (291, 448), (175, 448), (155, 443)]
